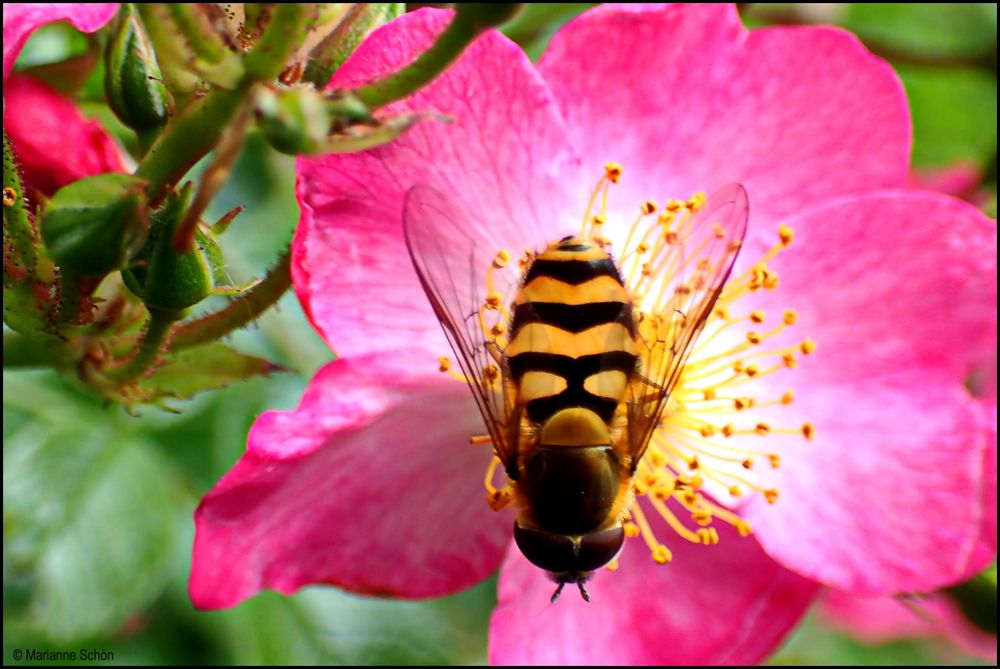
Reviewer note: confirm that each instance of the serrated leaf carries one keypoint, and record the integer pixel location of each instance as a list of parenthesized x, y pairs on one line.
[(88, 527), (194, 370)]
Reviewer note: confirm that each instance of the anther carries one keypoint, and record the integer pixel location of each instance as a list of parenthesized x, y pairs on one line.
[(717, 230), (501, 259), (642, 247), (708, 394), (763, 429), (789, 360), (757, 316), (702, 517), (613, 171), (490, 372), (735, 491), (753, 337), (808, 431), (807, 347), (728, 430), (790, 317), (774, 459), (788, 397), (445, 364), (674, 205), (648, 207), (743, 527), (662, 554), (631, 529), (771, 496), (696, 202), (493, 301), (598, 220), (497, 330), (747, 464), (786, 235), (752, 370), (707, 430)]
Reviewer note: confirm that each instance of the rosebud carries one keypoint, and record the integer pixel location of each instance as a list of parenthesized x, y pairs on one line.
[(94, 225), (293, 121), (132, 79), (163, 277)]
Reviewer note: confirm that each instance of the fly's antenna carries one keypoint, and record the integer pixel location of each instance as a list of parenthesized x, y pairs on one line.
[(583, 591), (555, 595)]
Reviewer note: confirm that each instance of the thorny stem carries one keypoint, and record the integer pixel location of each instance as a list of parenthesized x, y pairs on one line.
[(154, 339), (240, 311)]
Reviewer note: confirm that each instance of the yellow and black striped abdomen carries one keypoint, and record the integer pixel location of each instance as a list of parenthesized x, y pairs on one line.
[(572, 334)]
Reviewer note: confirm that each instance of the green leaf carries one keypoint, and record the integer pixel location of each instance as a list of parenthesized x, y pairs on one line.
[(926, 31), (204, 368), (88, 527), (327, 626), (954, 115)]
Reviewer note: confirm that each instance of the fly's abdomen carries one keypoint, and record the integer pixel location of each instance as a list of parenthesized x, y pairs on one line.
[(572, 334)]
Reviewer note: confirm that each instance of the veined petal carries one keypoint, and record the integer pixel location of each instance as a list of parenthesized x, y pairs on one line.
[(55, 144), (503, 158), (725, 604), (894, 472), (686, 99), (370, 484), (22, 19)]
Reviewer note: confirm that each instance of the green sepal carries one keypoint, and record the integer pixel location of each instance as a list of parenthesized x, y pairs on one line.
[(94, 225), (163, 277), (191, 371), (344, 36), (132, 79)]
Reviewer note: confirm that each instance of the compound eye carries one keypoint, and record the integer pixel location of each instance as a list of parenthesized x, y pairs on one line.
[(599, 548), (552, 552)]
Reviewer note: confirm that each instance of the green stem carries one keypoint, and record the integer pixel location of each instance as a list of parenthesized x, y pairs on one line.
[(17, 229), (239, 312), (26, 351), (187, 139), (449, 46), (283, 34), (161, 321)]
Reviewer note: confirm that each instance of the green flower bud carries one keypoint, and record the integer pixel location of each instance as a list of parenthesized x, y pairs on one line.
[(94, 225), (294, 121), (132, 79), (165, 278)]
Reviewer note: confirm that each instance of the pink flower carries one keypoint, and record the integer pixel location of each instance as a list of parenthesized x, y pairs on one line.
[(371, 483), (54, 143)]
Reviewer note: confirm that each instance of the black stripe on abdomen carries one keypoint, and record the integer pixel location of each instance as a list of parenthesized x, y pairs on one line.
[(572, 317), (575, 371), (573, 272)]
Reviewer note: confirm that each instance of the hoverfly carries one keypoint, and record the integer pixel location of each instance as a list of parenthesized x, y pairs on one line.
[(571, 371)]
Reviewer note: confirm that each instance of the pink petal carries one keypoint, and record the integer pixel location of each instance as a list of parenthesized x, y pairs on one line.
[(985, 550), (888, 281), (724, 604), (22, 19), (55, 144), (686, 99), (888, 496), (884, 619), (501, 158), (370, 484), (958, 180)]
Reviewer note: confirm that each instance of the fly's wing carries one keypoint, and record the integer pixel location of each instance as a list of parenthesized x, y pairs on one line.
[(678, 304), (455, 260)]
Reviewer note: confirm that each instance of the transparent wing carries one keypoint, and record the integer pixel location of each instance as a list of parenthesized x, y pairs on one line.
[(455, 260), (693, 262)]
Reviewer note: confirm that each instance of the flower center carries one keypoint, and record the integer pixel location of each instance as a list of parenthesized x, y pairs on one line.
[(699, 451)]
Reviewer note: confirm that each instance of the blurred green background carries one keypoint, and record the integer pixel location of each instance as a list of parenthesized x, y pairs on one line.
[(98, 505)]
